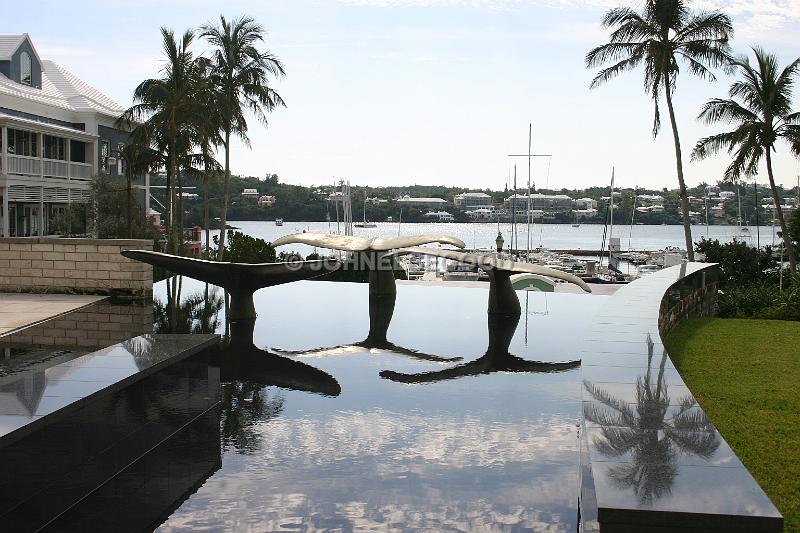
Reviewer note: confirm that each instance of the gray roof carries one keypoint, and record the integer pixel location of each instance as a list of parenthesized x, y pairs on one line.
[(60, 87), (9, 45)]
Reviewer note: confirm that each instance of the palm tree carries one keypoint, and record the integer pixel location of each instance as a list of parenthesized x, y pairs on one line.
[(763, 116), (665, 32), (139, 158), (167, 105), (240, 75)]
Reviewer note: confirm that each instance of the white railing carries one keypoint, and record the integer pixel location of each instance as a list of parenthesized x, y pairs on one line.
[(20, 164), (50, 168), (80, 171), (55, 168)]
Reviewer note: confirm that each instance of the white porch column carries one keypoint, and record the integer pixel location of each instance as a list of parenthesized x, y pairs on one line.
[(146, 195), (6, 222), (41, 211), (4, 160)]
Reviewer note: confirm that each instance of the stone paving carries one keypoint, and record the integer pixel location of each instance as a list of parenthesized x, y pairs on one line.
[(20, 310)]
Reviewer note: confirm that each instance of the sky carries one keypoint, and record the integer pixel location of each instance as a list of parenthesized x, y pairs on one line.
[(434, 92)]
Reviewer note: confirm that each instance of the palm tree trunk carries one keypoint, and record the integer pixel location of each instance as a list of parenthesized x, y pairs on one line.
[(130, 200), (787, 240), (226, 193), (205, 214), (179, 217), (687, 227), (171, 175)]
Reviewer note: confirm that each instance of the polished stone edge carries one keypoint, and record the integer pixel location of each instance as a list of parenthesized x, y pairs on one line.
[(191, 489), (636, 520), (203, 342), (651, 296)]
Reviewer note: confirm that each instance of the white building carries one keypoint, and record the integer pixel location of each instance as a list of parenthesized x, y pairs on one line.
[(586, 203), (727, 195), (545, 202), (467, 200), (441, 216), (651, 198), (582, 214), (250, 192), (267, 201), (718, 211), (484, 214), (422, 202), (57, 133)]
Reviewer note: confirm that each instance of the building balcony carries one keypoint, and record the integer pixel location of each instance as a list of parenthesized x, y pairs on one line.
[(41, 167)]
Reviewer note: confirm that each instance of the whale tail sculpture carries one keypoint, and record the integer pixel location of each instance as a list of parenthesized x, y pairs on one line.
[(381, 274), (502, 296), (241, 280)]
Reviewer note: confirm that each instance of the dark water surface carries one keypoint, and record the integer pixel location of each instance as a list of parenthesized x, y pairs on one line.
[(360, 437)]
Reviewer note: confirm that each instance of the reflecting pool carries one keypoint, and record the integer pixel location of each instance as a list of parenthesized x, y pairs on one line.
[(343, 414)]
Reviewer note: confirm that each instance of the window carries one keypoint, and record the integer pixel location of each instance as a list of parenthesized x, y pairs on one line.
[(120, 160), (105, 148), (54, 148), (21, 142), (25, 68)]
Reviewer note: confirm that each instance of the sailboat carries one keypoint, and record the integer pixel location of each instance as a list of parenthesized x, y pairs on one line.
[(739, 221), (365, 224)]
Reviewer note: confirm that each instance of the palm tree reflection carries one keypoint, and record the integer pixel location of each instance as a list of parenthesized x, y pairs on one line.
[(652, 433), (251, 377), (496, 359), (197, 313)]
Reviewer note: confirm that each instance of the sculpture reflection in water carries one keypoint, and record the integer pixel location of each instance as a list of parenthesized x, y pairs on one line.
[(652, 433), (250, 376), (496, 359), (381, 311)]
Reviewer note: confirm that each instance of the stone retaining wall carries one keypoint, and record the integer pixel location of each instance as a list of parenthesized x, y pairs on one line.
[(692, 296), (73, 266)]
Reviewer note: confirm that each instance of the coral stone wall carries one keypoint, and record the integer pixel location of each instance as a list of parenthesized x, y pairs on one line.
[(693, 296), (74, 266)]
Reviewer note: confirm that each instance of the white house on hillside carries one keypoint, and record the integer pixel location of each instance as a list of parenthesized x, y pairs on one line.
[(57, 133), (467, 200), (441, 216)]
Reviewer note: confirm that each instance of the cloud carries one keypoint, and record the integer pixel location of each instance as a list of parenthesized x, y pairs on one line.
[(47, 50)]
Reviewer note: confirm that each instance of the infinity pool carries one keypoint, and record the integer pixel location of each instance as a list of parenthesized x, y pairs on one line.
[(373, 432)]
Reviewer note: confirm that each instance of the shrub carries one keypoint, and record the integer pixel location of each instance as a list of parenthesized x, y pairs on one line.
[(739, 263), (241, 248), (761, 300)]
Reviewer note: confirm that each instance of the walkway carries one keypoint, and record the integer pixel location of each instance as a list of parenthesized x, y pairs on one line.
[(21, 310)]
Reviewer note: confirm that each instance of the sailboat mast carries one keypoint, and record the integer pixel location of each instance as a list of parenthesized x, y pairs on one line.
[(514, 214), (530, 135), (336, 204), (611, 223)]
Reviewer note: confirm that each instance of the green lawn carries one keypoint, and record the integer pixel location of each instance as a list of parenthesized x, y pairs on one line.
[(746, 376)]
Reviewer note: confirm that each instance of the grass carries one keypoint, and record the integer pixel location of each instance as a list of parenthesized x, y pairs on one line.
[(746, 376)]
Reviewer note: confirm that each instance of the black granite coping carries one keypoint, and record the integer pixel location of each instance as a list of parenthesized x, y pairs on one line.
[(650, 458), (31, 400)]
